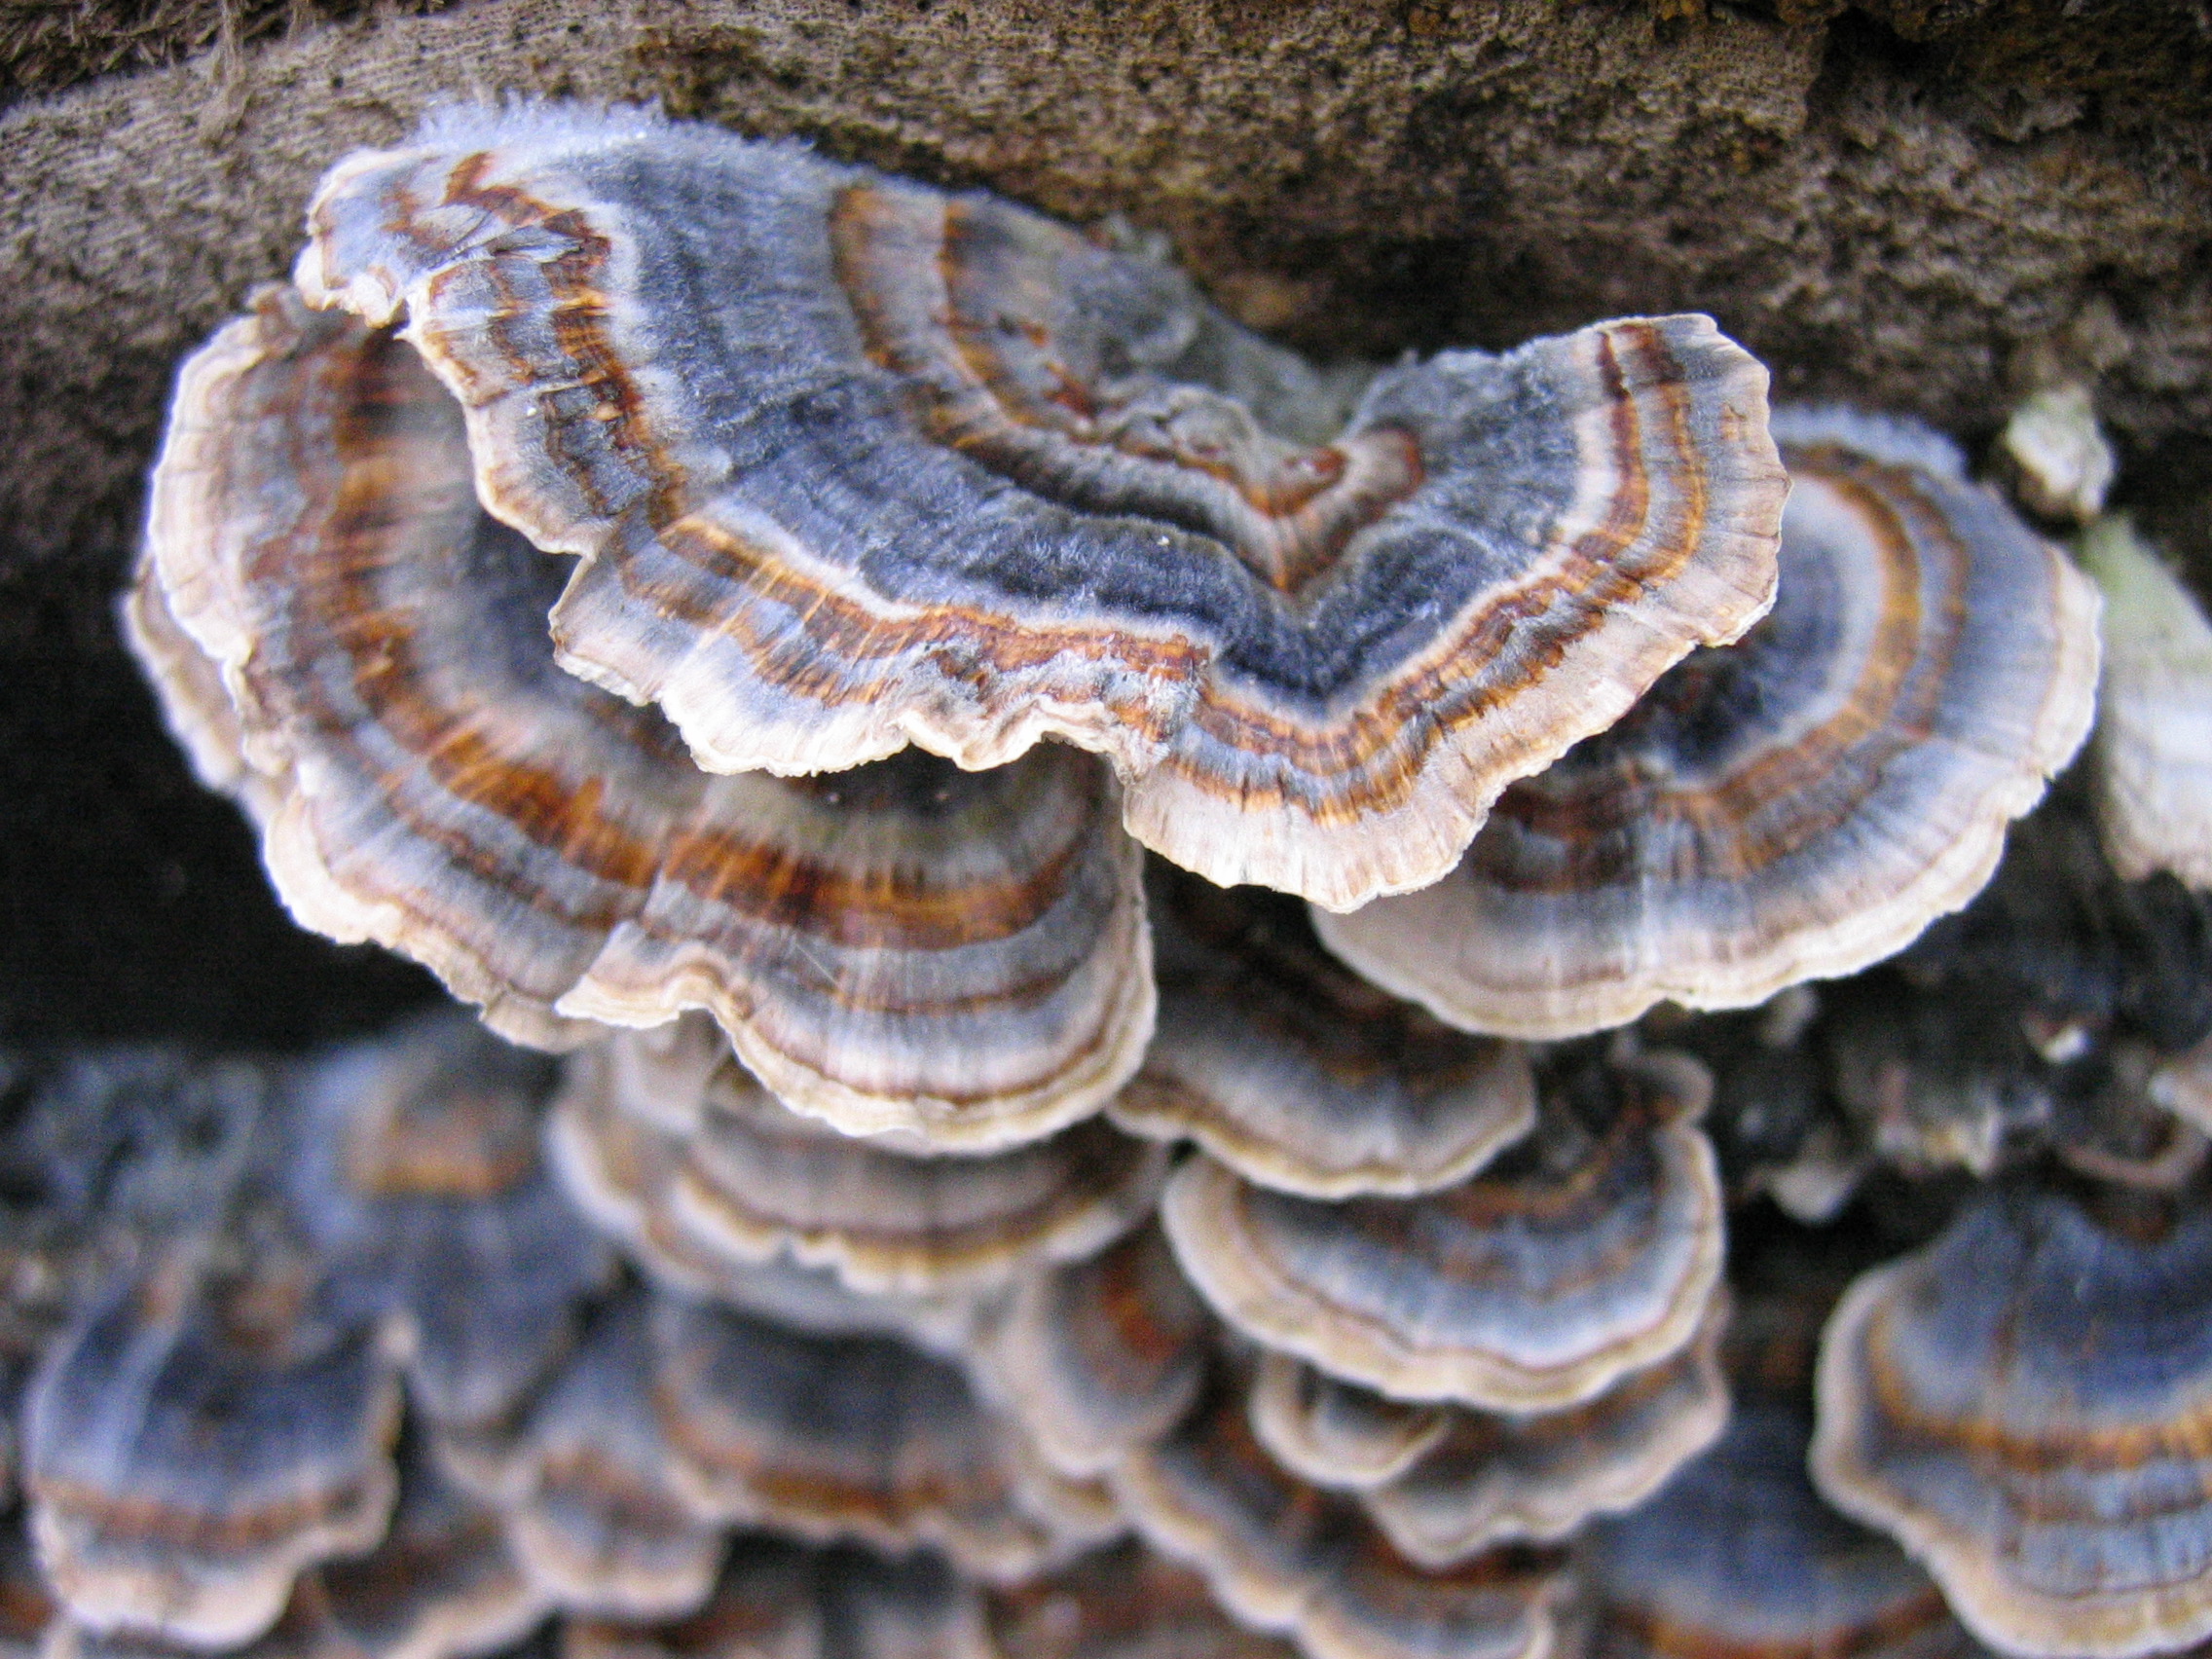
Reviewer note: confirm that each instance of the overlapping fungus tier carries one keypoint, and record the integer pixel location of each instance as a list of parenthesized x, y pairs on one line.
[(1284, 1557), (1302, 1076), (1098, 1356), (2023, 1405), (854, 1437), (411, 1163), (755, 1180), (191, 1446), (961, 956), (1493, 1478), (1589, 1251), (1118, 1600), (854, 463), (1444, 1482), (1793, 806)]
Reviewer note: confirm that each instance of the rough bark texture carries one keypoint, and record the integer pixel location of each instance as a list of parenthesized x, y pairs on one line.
[(1917, 205)]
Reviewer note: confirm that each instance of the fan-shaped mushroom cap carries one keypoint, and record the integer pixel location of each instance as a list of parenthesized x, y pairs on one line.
[(2152, 754), (1298, 1074), (1797, 806), (1444, 1483), (2023, 1405), (935, 469), (585, 1481), (619, 1176), (1587, 1252), (958, 955), (1738, 1559), (442, 1583), (445, 1580), (1098, 1356), (1492, 1478), (1126, 1602), (1283, 1557), (112, 1157), (189, 1449), (195, 703), (1334, 1434), (414, 1164), (791, 1600), (756, 1180), (842, 1437)]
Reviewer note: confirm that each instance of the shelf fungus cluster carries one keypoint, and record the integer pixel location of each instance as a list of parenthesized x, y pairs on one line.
[(1145, 977)]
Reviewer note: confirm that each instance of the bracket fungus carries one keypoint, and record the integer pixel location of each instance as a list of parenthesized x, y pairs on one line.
[(857, 1437), (1098, 1356), (755, 1180), (910, 946), (582, 1478), (1301, 1076), (444, 1580), (1123, 1601), (1285, 1558), (1795, 806), (1493, 1478), (2022, 1404), (1334, 1434), (1587, 1252), (1445, 1482), (189, 1447), (1738, 1558), (1313, 650), (413, 1164)]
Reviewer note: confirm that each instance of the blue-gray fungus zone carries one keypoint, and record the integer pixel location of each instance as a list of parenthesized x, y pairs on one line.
[(1126, 997), (852, 463)]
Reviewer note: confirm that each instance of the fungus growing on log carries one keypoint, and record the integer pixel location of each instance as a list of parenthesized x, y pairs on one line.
[(932, 469), (2022, 1404), (1795, 806), (755, 1180), (1301, 1076), (1588, 1252), (910, 946)]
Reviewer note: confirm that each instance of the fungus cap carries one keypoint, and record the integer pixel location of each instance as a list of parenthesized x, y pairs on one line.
[(583, 1485), (1492, 1478), (1098, 1356), (935, 469), (412, 1161), (861, 1437), (755, 1180), (1737, 1558), (1334, 1434), (1589, 1251), (1302, 1076), (906, 948), (2023, 1405), (190, 1449), (794, 1600), (1123, 1601), (1284, 1557), (1795, 806)]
